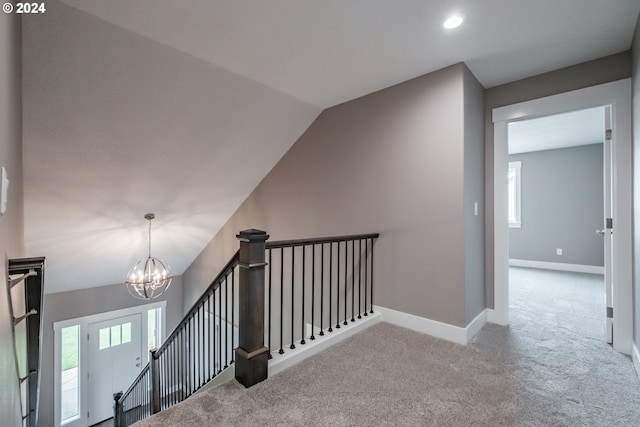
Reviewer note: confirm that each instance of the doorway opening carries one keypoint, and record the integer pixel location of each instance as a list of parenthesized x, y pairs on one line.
[(617, 95), (558, 188)]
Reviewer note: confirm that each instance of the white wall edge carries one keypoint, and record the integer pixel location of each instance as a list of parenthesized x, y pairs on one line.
[(493, 316), (636, 358), (476, 324), (434, 328), (576, 268)]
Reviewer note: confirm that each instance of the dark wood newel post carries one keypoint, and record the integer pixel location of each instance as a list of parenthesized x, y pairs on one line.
[(251, 353), (117, 410), (155, 382)]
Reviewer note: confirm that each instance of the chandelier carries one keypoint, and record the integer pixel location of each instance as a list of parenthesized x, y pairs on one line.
[(149, 278)]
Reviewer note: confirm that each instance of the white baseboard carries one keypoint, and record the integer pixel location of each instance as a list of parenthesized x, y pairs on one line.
[(635, 355), (222, 377), (476, 324), (577, 268), (280, 362), (434, 328)]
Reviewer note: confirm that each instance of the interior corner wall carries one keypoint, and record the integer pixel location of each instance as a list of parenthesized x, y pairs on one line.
[(11, 223), (562, 206), (599, 71), (474, 259), (389, 162), (86, 302), (635, 51)]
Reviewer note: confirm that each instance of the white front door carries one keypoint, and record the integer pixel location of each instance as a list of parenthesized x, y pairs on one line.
[(114, 362)]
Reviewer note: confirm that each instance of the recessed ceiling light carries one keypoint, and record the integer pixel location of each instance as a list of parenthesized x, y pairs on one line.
[(452, 22)]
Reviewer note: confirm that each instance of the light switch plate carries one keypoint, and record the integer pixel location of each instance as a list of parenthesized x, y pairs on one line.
[(4, 185)]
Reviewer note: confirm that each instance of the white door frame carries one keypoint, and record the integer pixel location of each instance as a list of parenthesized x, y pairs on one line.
[(618, 95)]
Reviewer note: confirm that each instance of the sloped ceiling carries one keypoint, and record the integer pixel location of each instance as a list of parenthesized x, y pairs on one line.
[(181, 107)]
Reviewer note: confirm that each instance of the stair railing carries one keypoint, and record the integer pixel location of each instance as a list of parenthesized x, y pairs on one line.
[(278, 293), (316, 285), (195, 352), (25, 289)]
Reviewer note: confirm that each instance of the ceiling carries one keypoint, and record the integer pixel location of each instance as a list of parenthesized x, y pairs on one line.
[(181, 107), (564, 130)]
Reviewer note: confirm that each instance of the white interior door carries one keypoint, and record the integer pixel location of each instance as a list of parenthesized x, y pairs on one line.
[(114, 362), (607, 230)]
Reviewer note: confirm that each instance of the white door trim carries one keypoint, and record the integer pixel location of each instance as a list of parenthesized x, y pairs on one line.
[(618, 95), (84, 322)]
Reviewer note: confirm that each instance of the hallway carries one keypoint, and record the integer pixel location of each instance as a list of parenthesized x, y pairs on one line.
[(550, 368)]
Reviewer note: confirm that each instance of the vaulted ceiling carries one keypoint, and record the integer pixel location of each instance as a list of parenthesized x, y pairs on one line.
[(181, 107)]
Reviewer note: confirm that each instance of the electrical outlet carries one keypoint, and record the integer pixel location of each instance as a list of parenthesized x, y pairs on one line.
[(559, 251)]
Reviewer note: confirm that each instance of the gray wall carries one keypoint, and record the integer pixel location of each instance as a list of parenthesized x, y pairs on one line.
[(390, 162), (473, 193), (603, 70), (85, 302), (562, 206), (11, 223), (636, 181)]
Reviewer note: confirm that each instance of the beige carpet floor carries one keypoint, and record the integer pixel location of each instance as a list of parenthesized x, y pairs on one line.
[(550, 367)]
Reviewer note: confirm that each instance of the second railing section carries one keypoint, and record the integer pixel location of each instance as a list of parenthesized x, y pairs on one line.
[(309, 288), (315, 286)]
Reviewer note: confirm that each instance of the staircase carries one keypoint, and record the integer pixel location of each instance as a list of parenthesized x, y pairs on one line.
[(271, 301), (25, 289)]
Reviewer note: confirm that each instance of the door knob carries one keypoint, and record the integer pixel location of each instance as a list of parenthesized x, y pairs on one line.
[(137, 365)]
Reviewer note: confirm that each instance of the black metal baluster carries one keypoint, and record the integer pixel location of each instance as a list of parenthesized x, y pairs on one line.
[(331, 282), (346, 263), (353, 279), (371, 276), (270, 307), (293, 263), (199, 336), (281, 351), (194, 355), (302, 341), (233, 311), (171, 349), (220, 327), (215, 333), (178, 341), (208, 353), (164, 379), (189, 353), (187, 356), (366, 267), (338, 287), (160, 382), (322, 290), (313, 290), (360, 279), (226, 322), (174, 370)]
